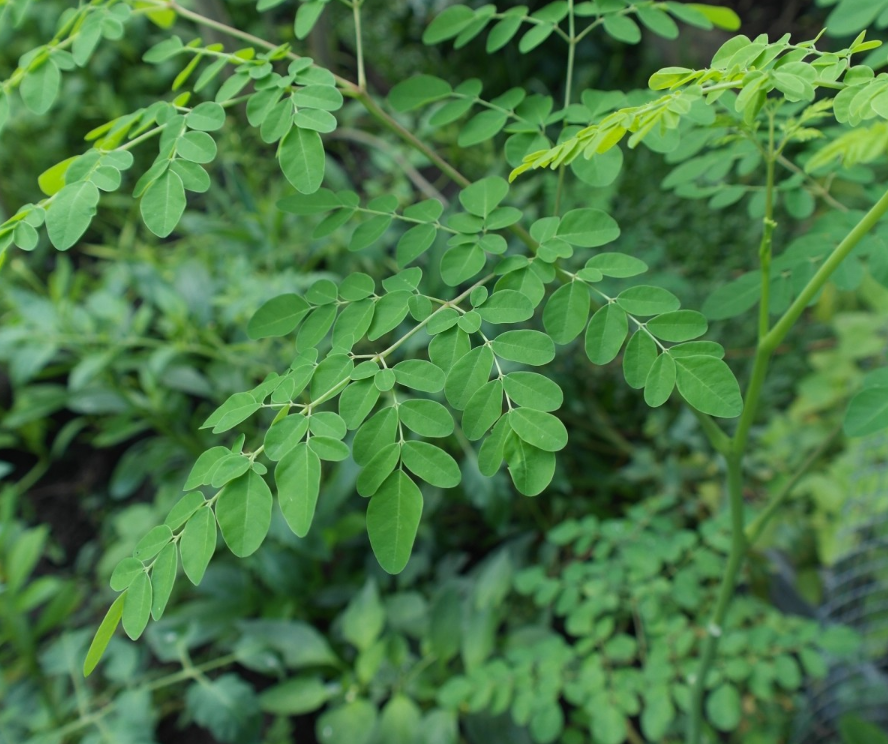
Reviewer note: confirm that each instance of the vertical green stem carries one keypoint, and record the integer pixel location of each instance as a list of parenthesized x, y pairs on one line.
[(725, 594), (767, 231), (734, 452), (568, 88), (359, 44)]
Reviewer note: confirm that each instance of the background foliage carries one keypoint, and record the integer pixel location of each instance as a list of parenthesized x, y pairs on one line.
[(115, 352)]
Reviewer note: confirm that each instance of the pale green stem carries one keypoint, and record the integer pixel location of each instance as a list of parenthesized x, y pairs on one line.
[(764, 350), (359, 44)]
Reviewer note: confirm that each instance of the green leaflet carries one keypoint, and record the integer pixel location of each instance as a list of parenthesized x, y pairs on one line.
[(330, 374), (327, 424), (378, 469), (618, 265), (384, 380), (678, 326), (390, 311), (543, 430), (527, 347), (282, 436), (379, 430), (295, 696), (307, 16), (316, 326), (328, 448), (724, 708), (660, 381), (71, 213), (301, 155), (228, 468), (418, 91), (646, 300), (531, 468), (606, 333), (350, 723), (298, 479), (243, 511), (639, 357), (483, 410), (708, 384), (428, 418), (125, 572), (40, 86), (137, 608), (430, 463), (353, 323), (233, 411), (103, 635), (588, 228), (277, 317), (482, 197), (492, 451), (566, 312), (413, 243), (506, 306), (734, 298), (468, 374), (356, 402), (163, 576), (187, 505), (418, 374), (155, 541), (449, 347), (867, 412), (163, 204), (531, 390), (393, 516), (198, 543), (206, 117), (462, 263)]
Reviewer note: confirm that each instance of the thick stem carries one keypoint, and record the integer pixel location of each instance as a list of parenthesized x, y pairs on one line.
[(767, 232), (826, 270), (725, 594), (359, 44)]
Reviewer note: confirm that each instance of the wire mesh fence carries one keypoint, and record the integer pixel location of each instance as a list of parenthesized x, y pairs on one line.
[(856, 595)]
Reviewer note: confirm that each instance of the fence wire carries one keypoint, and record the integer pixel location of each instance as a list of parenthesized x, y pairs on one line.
[(856, 595)]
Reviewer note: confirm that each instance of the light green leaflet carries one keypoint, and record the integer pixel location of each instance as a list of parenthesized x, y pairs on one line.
[(302, 160), (137, 608), (298, 479), (527, 347), (430, 463), (428, 418), (163, 204), (393, 516), (468, 374), (198, 543), (531, 468), (278, 316), (483, 410), (541, 429), (244, 513), (606, 333), (708, 384), (163, 577), (103, 635), (566, 312)]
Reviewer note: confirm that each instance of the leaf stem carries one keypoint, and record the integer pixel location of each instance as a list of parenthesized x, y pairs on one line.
[(725, 594), (826, 270), (359, 44)]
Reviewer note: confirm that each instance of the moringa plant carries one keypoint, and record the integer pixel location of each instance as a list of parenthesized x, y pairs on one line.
[(482, 292)]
